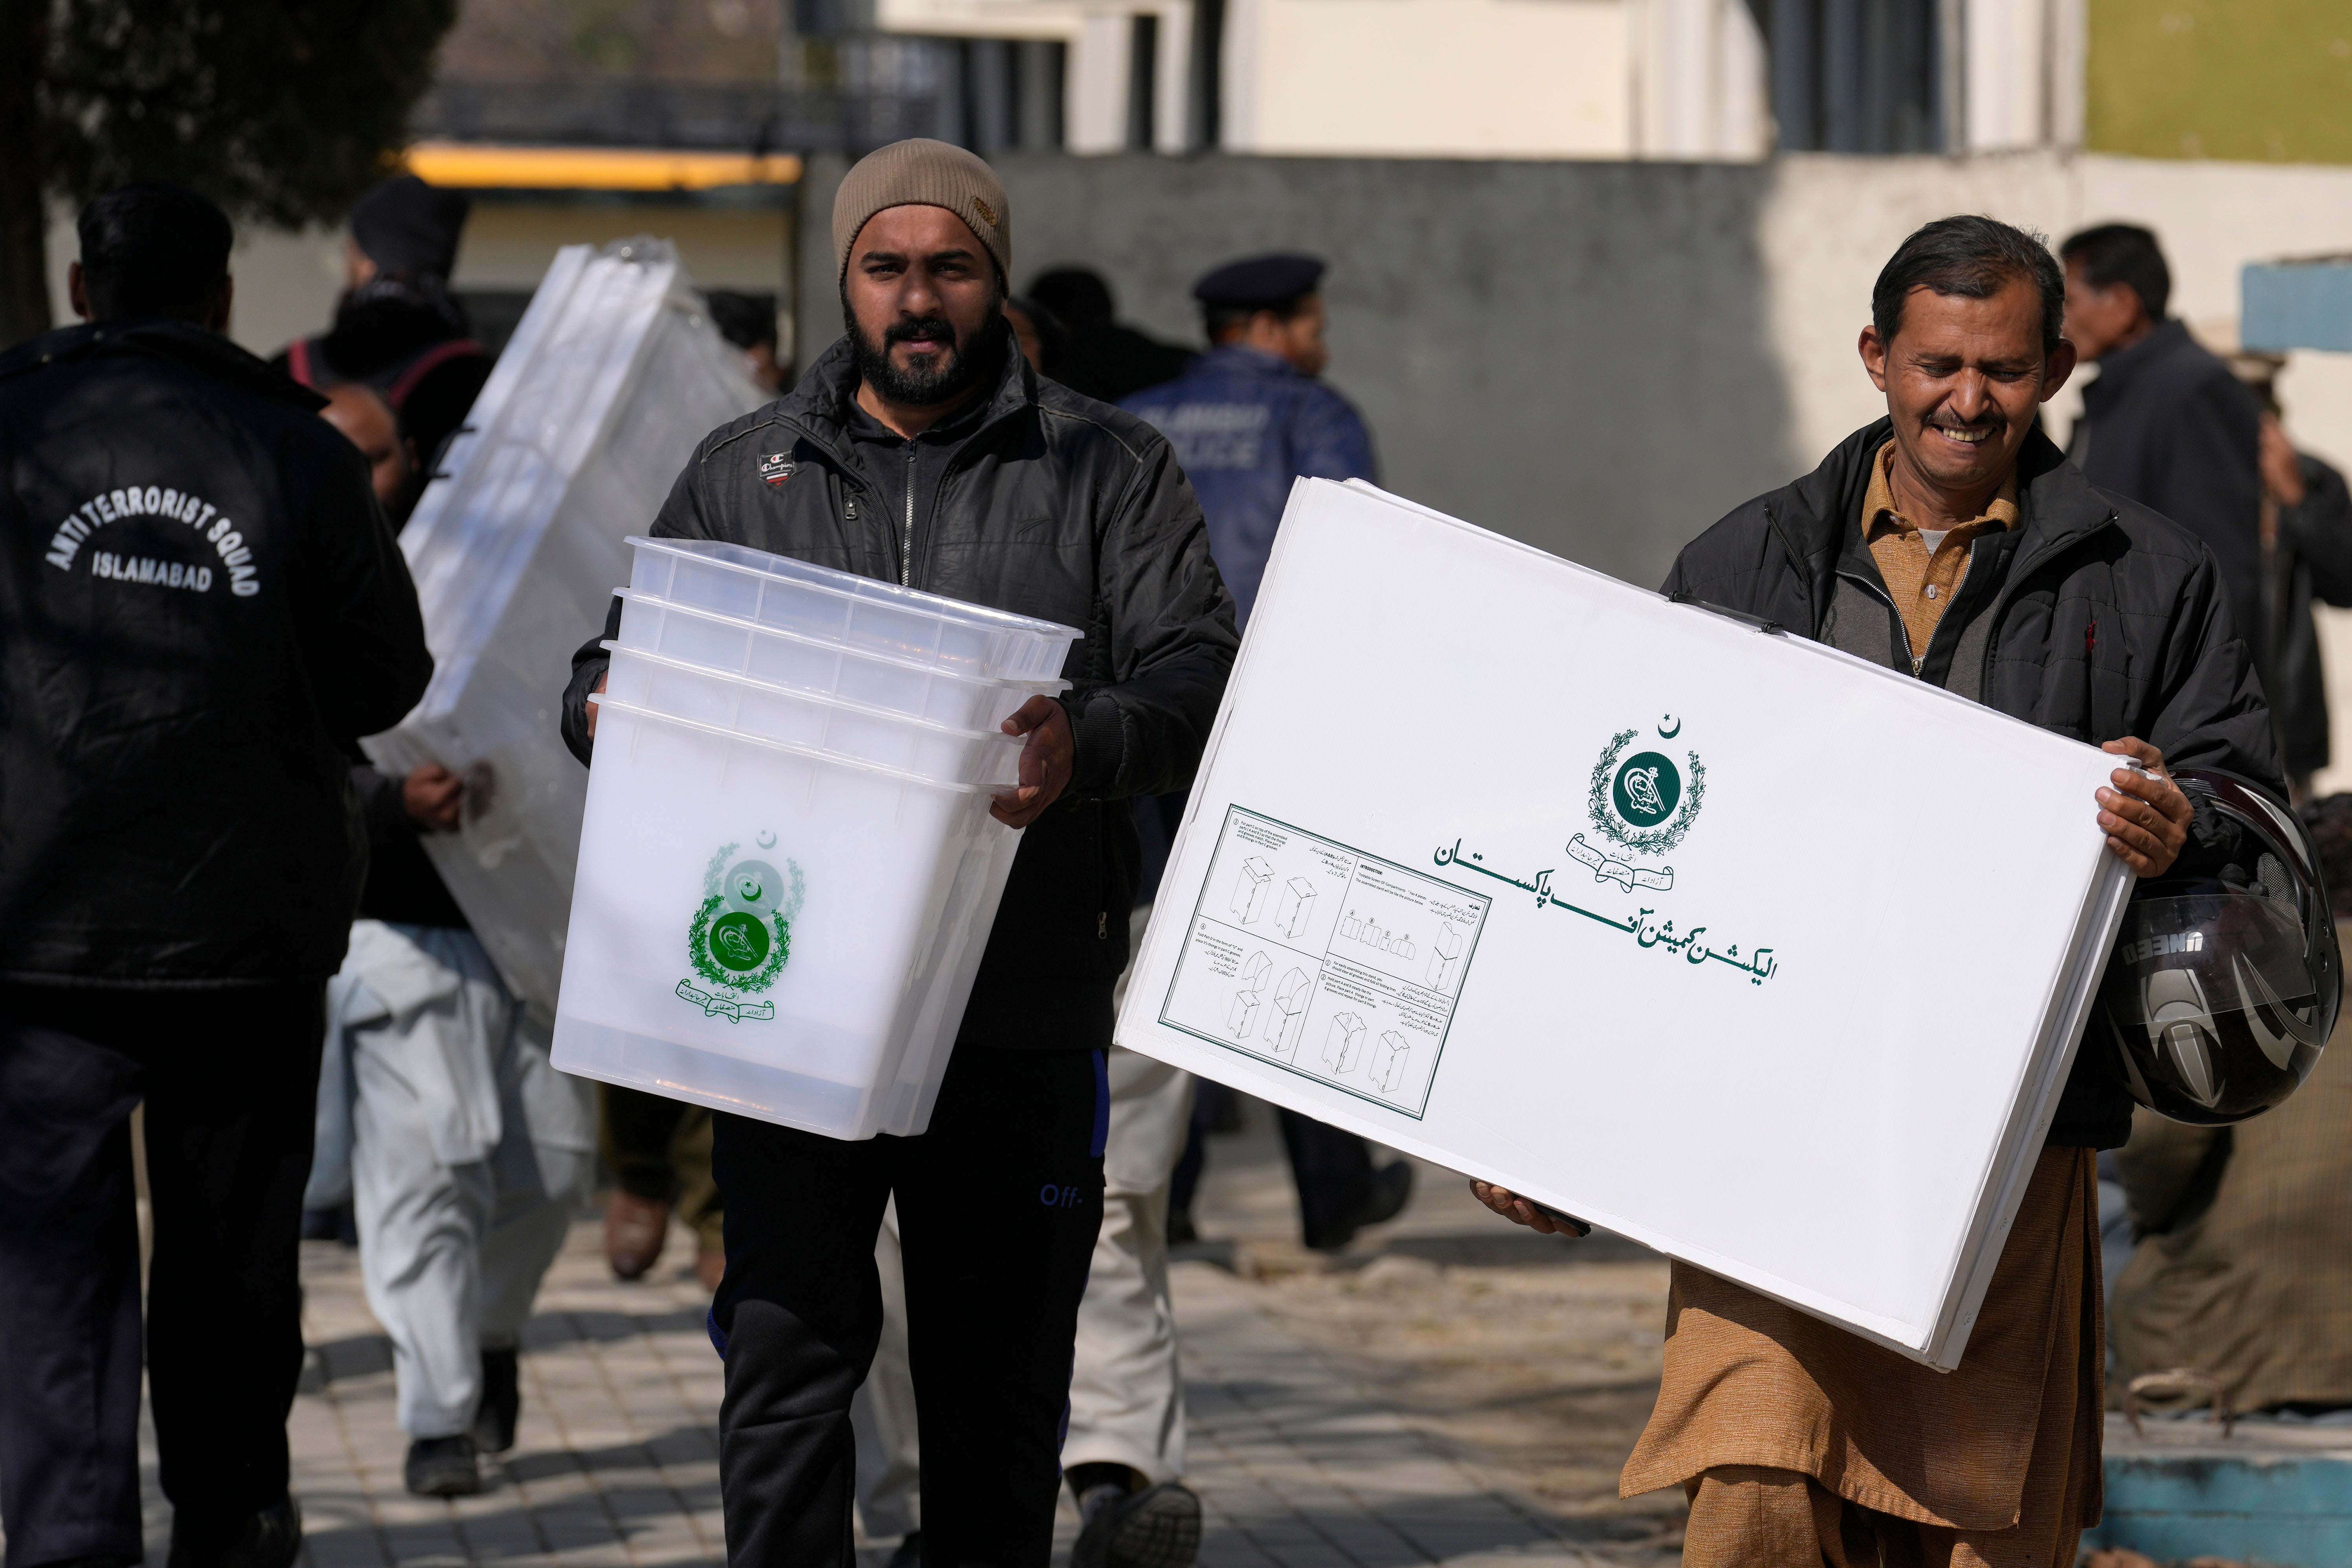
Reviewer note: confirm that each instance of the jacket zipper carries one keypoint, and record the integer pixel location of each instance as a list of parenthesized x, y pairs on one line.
[(906, 543)]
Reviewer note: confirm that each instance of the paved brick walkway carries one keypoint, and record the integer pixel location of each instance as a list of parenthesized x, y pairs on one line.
[(617, 1456), (1298, 1468), (617, 1461)]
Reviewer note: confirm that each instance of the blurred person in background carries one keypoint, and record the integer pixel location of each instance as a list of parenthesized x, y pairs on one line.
[(1106, 358), (2306, 534), (2164, 422), (368, 422), (2243, 1270), (924, 449), (659, 1153), (1249, 418), (749, 322), (1254, 414), (461, 1149), (397, 327), (201, 607), (1045, 342)]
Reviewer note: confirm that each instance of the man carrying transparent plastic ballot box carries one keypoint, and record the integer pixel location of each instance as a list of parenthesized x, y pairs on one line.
[(923, 451), (1952, 542)]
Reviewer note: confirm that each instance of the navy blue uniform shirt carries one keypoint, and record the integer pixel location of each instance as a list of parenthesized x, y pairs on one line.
[(1244, 425)]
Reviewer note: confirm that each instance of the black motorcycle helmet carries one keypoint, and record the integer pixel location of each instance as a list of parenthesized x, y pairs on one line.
[(2225, 979)]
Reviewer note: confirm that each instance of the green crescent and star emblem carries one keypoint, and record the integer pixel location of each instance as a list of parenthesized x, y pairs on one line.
[(1641, 805), (741, 934)]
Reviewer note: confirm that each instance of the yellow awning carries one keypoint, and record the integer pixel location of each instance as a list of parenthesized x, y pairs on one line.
[(468, 164)]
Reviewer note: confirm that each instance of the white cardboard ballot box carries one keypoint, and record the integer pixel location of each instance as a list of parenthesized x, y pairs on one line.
[(1765, 956)]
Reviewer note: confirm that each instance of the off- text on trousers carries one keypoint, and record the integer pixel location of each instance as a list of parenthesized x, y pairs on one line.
[(230, 1078), (998, 1204)]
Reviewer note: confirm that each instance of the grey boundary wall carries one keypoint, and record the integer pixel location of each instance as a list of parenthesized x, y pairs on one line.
[(1571, 353), (1601, 359)]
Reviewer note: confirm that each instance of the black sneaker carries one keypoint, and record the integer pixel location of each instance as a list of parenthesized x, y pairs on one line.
[(1158, 1527), (910, 1550), (269, 1539), (501, 1406), (444, 1467)]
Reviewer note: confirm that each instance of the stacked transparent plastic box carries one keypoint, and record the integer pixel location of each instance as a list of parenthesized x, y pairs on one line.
[(613, 375), (787, 868)]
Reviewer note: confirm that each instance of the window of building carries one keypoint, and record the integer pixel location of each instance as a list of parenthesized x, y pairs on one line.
[(1862, 76)]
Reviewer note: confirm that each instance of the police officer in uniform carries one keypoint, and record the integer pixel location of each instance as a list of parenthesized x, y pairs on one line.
[(1251, 417), (200, 603), (1254, 413)]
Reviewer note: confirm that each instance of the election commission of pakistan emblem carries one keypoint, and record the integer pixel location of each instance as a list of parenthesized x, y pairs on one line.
[(741, 934), (1641, 805)]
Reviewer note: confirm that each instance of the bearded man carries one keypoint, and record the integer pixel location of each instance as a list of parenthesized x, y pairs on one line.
[(1951, 540), (923, 451)]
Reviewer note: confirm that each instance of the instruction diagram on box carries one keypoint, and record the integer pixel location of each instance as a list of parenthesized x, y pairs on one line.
[(1330, 962)]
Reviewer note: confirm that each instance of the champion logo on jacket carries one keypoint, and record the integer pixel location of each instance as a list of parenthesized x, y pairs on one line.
[(203, 521)]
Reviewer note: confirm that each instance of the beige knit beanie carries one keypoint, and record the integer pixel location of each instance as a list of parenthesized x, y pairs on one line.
[(923, 172)]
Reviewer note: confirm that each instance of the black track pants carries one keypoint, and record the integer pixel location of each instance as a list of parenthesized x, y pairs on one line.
[(230, 1080), (998, 1206)]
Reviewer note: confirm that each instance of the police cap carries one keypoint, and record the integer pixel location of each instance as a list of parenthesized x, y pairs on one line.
[(1260, 282)]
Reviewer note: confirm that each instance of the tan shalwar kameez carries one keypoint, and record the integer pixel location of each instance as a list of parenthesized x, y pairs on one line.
[(1800, 1444)]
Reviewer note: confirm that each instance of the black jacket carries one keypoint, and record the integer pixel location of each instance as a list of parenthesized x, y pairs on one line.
[(2095, 618), (1057, 507), (409, 338), (199, 602), (2311, 564), (2166, 423)]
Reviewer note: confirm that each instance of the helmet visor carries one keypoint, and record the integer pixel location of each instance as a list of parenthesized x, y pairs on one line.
[(2226, 940)]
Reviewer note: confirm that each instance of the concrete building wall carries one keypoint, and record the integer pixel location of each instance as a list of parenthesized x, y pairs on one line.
[(1602, 358), (1497, 321), (1699, 81), (1532, 79)]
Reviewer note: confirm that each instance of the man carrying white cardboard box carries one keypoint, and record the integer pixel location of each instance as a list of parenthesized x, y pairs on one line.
[(1952, 539)]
